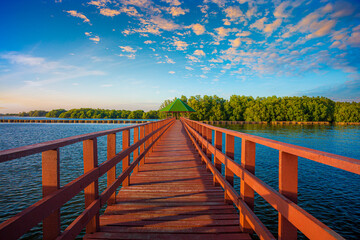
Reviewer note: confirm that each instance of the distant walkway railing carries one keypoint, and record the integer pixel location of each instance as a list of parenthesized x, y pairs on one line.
[(107, 121), (54, 196), (291, 216)]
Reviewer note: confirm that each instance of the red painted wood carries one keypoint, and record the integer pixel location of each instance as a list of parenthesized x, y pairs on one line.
[(92, 191), (171, 193), (50, 184), (111, 174), (126, 160)]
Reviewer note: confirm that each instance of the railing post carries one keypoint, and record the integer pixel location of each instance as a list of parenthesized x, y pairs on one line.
[(246, 192), (218, 145), (126, 160), (147, 142), (288, 186), (136, 152), (111, 174), (209, 139), (142, 135), (91, 191), (50, 184), (229, 151)]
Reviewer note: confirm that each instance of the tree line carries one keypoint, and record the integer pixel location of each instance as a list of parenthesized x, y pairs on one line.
[(237, 108), (247, 108)]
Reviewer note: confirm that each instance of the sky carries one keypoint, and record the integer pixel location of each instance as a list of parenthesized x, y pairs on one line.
[(134, 54)]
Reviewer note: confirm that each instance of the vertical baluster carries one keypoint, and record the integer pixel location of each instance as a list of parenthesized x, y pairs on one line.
[(111, 174), (50, 184), (288, 186), (126, 160), (147, 131), (142, 135), (136, 152), (209, 138), (91, 191), (229, 151), (218, 145), (246, 192)]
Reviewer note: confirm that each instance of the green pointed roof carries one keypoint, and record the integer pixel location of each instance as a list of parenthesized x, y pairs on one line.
[(177, 106)]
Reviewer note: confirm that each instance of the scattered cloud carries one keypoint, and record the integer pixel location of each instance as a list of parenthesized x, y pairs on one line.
[(127, 49), (199, 53), (79, 15), (198, 29), (109, 12), (171, 72), (106, 85), (180, 45), (233, 13)]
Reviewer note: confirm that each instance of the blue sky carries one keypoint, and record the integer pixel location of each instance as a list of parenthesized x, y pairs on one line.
[(134, 54)]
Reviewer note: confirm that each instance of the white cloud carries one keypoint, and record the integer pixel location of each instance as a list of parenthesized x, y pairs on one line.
[(199, 53), (259, 24), (270, 28), (109, 12), (180, 45), (127, 49), (149, 42), (172, 2), (177, 11), (171, 72), (198, 29), (234, 13), (79, 15), (189, 68), (106, 85), (95, 39)]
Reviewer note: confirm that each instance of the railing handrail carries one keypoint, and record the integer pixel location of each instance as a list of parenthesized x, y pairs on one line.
[(19, 224), (14, 153), (279, 202), (334, 160)]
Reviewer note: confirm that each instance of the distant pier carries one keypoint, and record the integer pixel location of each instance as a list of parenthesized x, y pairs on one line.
[(106, 121)]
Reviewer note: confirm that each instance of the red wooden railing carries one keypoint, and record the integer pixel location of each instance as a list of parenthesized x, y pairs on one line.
[(54, 196), (291, 216)]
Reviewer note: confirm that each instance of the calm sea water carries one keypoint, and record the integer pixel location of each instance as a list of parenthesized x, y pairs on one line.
[(329, 194)]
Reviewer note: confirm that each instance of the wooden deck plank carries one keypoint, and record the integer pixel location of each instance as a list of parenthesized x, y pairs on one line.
[(172, 196)]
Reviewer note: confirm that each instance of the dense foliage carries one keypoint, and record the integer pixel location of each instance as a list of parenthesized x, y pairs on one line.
[(244, 108), (237, 108), (34, 113)]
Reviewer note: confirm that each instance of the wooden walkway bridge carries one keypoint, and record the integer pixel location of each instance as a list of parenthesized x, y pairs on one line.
[(172, 196), (173, 189)]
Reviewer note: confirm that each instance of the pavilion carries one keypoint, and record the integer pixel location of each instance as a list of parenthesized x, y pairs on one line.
[(177, 107)]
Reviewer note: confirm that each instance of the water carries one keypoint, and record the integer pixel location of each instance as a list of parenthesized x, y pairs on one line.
[(329, 194), (20, 179)]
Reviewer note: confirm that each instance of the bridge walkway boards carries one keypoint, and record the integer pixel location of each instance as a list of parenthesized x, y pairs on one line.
[(171, 197)]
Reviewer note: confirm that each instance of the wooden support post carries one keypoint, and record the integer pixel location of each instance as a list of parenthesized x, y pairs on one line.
[(142, 146), (218, 145), (50, 184), (152, 128), (246, 192), (288, 186), (209, 138), (91, 191), (111, 174), (126, 160), (136, 152), (147, 142), (229, 151)]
